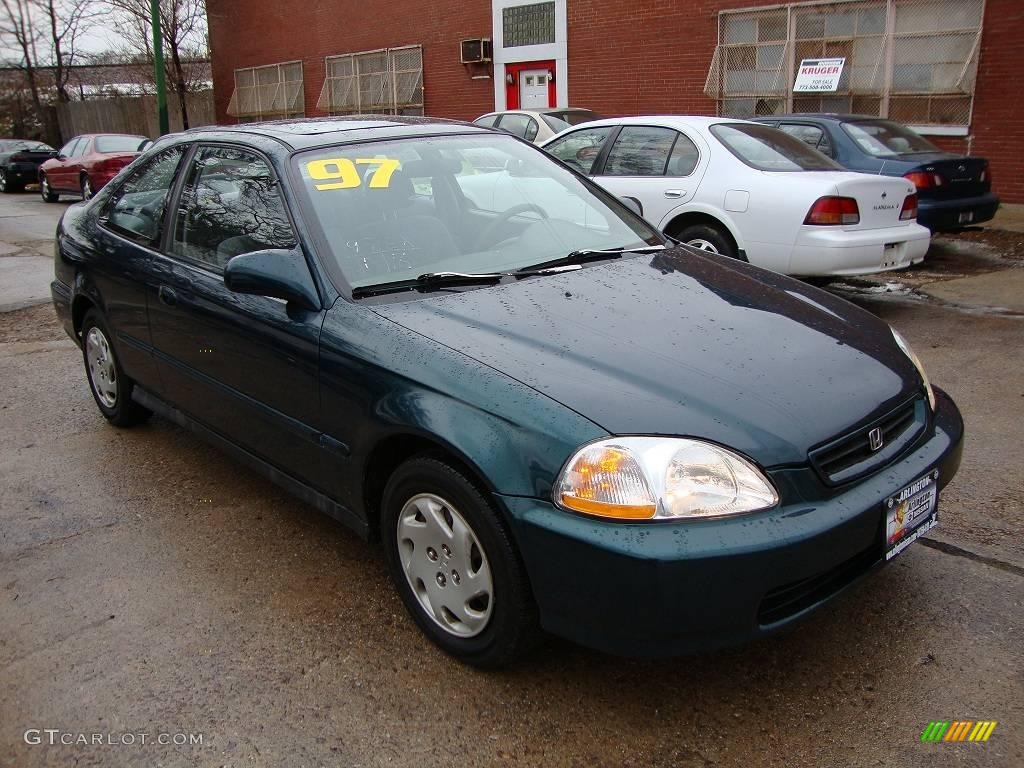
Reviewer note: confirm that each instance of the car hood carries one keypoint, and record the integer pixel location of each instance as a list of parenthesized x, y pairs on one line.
[(681, 344)]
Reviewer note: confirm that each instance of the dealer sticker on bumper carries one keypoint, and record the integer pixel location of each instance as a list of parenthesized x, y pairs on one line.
[(910, 514)]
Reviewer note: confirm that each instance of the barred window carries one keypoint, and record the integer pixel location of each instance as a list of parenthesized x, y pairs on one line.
[(388, 81), (910, 60), (268, 92)]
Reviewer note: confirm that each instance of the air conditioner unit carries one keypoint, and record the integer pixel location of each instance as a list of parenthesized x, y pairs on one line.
[(476, 50)]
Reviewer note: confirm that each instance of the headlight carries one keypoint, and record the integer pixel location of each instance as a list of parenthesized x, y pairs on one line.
[(902, 343), (644, 478)]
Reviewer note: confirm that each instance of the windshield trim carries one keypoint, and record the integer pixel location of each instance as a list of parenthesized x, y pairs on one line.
[(298, 197)]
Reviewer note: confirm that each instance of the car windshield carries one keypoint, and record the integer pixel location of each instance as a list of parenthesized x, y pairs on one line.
[(110, 144), (395, 210), (769, 149), (566, 118), (883, 138)]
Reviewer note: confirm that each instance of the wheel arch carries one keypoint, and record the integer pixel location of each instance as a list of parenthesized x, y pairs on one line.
[(394, 449), (678, 222)]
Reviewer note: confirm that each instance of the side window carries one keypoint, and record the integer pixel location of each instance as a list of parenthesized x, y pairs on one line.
[(580, 148), (230, 204), (810, 135), (487, 121), (136, 208), (531, 129), (515, 124), (684, 157), (640, 151), (82, 148), (68, 149)]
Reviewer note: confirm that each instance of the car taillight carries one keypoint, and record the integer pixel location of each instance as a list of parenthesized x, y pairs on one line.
[(909, 209), (986, 175), (832, 210), (924, 179)]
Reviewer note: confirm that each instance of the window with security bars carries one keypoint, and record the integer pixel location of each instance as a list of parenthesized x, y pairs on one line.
[(910, 60), (388, 81), (272, 91)]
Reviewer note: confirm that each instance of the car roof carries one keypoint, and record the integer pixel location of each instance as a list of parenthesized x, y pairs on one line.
[(549, 111), (693, 121), (302, 133)]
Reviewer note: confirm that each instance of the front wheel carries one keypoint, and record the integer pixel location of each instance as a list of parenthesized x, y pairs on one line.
[(87, 191), (706, 237), (111, 388), (455, 566), (48, 195)]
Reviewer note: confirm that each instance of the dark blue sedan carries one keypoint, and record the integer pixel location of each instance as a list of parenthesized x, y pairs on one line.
[(549, 415), (953, 191)]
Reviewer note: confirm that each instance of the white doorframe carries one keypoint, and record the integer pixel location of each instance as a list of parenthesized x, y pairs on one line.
[(557, 51)]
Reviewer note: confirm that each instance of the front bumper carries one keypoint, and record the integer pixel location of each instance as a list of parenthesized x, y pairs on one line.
[(661, 589), (833, 251), (951, 215), (61, 295)]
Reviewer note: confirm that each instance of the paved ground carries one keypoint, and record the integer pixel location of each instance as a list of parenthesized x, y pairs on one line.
[(149, 584), (27, 225)]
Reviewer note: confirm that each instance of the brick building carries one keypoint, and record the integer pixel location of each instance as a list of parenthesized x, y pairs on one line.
[(950, 68)]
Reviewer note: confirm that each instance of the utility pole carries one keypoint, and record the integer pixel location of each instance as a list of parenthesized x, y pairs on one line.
[(158, 66)]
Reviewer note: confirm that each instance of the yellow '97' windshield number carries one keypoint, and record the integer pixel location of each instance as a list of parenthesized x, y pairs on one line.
[(341, 173)]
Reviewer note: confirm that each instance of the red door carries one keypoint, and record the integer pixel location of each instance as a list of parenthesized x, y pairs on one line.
[(530, 85)]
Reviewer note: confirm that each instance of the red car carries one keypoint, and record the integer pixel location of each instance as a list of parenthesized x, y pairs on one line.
[(86, 163)]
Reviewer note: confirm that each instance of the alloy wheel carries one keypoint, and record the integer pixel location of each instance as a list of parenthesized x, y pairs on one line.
[(102, 372), (3, 181), (445, 565), (703, 245), (87, 189)]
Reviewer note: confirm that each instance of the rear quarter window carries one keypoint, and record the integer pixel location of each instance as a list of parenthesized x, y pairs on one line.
[(769, 149)]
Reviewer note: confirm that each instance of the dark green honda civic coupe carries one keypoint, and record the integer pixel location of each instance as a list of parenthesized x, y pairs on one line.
[(551, 416)]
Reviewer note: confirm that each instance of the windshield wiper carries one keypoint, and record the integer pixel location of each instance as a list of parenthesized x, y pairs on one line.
[(438, 279), (583, 255)]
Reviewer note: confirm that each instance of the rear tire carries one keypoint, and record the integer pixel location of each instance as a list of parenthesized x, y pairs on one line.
[(706, 237), (48, 195), (110, 387), (447, 549), (7, 186)]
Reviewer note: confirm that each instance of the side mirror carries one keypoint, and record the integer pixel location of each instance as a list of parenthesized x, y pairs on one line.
[(275, 272), (633, 204)]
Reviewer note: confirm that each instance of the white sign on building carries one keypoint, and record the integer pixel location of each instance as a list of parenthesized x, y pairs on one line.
[(819, 75)]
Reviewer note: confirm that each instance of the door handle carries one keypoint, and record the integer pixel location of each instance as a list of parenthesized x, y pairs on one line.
[(673, 193), (167, 296)]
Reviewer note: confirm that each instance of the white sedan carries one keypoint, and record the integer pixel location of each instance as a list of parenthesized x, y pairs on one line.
[(750, 191)]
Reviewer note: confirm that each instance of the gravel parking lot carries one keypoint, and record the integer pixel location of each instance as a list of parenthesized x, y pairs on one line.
[(148, 584)]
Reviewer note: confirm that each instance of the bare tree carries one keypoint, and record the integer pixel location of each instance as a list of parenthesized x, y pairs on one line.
[(45, 34), (183, 31)]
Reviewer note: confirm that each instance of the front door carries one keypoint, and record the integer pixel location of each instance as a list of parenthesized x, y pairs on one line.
[(533, 89), (245, 366)]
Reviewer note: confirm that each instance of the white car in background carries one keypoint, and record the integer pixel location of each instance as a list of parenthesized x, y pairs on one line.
[(536, 125), (750, 191)]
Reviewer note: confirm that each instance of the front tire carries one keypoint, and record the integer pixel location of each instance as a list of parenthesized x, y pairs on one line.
[(111, 388), (87, 191), (706, 237), (48, 195), (454, 565)]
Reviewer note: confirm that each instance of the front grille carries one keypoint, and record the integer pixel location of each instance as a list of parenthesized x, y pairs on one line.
[(851, 456), (790, 599)]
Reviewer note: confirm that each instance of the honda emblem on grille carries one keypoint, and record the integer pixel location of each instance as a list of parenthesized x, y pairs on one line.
[(875, 439)]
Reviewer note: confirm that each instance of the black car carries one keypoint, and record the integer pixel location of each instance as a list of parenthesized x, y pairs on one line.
[(953, 191), (549, 414), (19, 162)]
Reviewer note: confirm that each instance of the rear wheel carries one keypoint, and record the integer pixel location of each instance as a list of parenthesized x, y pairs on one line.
[(111, 389), (455, 566), (706, 237), (46, 192)]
